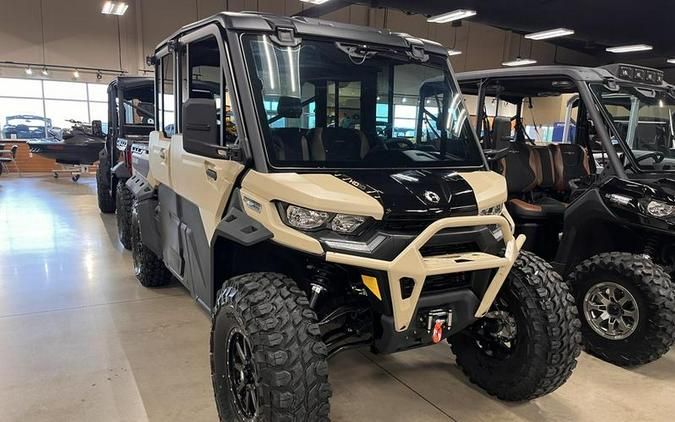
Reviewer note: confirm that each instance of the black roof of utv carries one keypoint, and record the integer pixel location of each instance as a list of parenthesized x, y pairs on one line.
[(304, 26), (617, 72)]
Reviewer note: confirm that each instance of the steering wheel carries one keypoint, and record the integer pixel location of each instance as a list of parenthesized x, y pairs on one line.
[(398, 143), (658, 156)]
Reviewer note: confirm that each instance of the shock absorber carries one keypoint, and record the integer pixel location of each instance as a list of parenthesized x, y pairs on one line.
[(318, 282), (651, 247)]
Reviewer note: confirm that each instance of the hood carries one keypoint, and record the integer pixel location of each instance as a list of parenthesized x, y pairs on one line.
[(661, 189), (411, 194)]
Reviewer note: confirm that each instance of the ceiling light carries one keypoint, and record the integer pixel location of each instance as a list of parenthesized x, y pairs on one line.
[(45, 72), (519, 62), (455, 15), (114, 8), (76, 74), (314, 1), (453, 52), (29, 70), (671, 61), (551, 33), (629, 48)]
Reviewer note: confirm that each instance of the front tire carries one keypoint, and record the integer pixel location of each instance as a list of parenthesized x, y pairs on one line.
[(106, 201), (148, 267), (124, 203), (527, 345), (268, 362), (627, 308)]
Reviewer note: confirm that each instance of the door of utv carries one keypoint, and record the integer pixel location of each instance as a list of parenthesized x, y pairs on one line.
[(202, 177)]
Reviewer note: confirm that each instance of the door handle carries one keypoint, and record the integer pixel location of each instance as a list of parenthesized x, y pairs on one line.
[(211, 174)]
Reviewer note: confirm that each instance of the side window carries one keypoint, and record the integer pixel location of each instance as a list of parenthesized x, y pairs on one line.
[(165, 96), (205, 80)]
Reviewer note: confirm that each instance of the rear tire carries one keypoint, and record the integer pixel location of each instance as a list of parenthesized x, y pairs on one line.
[(536, 313), (631, 285), (106, 201), (124, 203), (148, 267), (285, 366)]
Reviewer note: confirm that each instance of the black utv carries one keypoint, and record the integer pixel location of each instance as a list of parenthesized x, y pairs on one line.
[(589, 158), (131, 113)]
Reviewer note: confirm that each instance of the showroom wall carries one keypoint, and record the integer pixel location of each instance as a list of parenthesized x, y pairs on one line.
[(77, 34)]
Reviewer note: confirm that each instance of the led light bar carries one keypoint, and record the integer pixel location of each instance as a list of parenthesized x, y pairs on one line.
[(551, 33), (519, 62), (636, 73), (314, 1), (453, 52), (114, 8), (455, 15), (629, 48)]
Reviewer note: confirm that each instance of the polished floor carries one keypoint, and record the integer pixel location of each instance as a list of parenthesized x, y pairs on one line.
[(81, 340)]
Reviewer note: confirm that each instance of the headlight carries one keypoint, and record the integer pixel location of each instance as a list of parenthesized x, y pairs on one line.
[(345, 223), (304, 219), (496, 210), (660, 209)]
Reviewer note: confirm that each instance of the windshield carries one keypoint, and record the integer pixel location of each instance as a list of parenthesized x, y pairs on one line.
[(30, 121), (332, 105), (643, 118)]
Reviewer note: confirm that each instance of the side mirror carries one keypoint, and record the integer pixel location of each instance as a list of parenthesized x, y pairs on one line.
[(494, 155), (200, 122)]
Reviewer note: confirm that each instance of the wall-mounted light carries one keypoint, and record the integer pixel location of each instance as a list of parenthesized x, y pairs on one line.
[(551, 33), (76, 74), (29, 70), (629, 48), (454, 52), (114, 8), (314, 1), (99, 75), (44, 72), (519, 61), (455, 15)]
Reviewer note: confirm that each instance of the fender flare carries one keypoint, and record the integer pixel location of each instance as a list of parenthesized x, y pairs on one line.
[(240, 228)]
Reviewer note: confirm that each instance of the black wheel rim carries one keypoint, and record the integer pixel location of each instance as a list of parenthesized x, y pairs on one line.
[(496, 334), (242, 374)]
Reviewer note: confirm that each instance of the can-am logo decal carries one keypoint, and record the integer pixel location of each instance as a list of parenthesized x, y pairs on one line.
[(432, 197)]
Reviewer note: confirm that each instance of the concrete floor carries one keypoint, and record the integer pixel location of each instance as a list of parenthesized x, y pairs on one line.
[(81, 340)]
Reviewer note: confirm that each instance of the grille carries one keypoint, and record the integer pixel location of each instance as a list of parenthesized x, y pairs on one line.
[(436, 250), (440, 283)]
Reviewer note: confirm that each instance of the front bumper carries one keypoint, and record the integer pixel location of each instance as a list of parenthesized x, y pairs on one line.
[(411, 264)]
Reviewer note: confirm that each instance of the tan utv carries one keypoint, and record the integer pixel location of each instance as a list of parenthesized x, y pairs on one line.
[(292, 188)]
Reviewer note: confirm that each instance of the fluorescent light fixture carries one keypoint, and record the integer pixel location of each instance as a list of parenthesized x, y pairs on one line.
[(519, 62), (114, 8), (551, 33), (629, 48), (671, 61), (453, 52), (314, 1), (455, 15), (29, 70), (76, 74), (45, 72)]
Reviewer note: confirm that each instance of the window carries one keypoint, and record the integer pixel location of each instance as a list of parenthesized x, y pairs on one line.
[(33, 109), (165, 100), (205, 80)]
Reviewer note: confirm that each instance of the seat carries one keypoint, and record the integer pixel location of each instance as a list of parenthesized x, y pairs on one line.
[(289, 143), (528, 168), (570, 162), (337, 144)]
